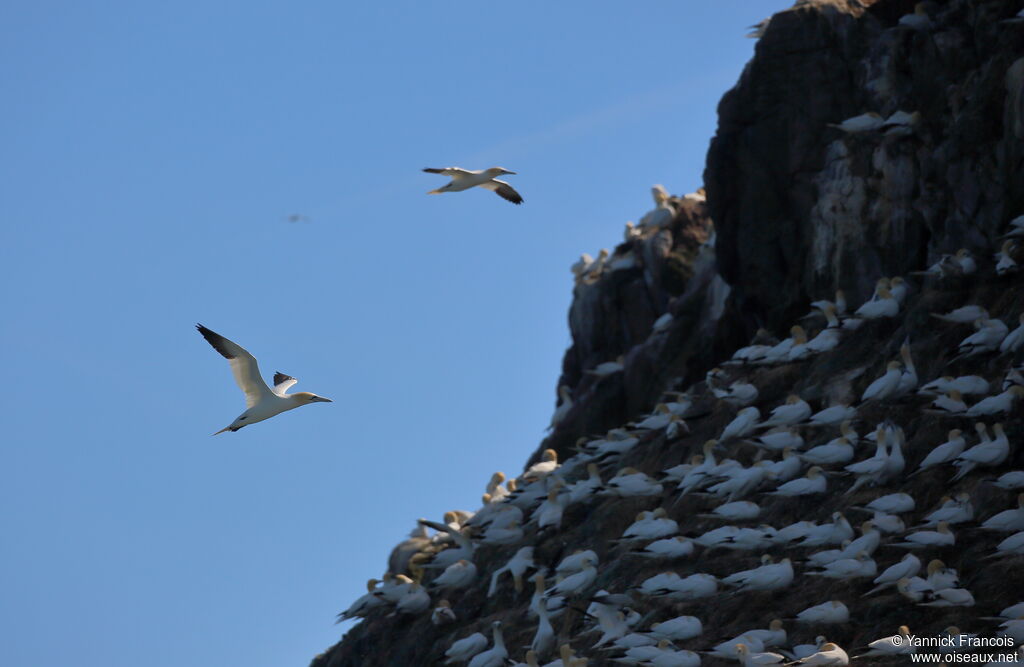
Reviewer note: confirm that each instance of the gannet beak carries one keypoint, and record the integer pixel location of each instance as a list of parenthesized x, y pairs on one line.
[(510, 172), (226, 428), (321, 399)]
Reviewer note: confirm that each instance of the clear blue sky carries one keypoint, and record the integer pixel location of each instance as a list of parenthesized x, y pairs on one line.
[(150, 154)]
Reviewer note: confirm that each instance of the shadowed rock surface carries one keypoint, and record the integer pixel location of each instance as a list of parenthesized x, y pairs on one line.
[(800, 209)]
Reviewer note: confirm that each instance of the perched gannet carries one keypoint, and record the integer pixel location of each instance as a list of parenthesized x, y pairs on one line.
[(896, 645), (944, 453), (748, 658), (986, 453), (667, 548), (848, 568), (767, 577), (364, 603), (952, 511), (838, 307), (575, 583), (1007, 521), (885, 385), (650, 526), (494, 656), (963, 315), (741, 510), (778, 439), (941, 536), (743, 424), (830, 654), (738, 393), (586, 487), (813, 483), (544, 639), (893, 503), (834, 414), (463, 179), (967, 385), (837, 450), (517, 567), (908, 567), (998, 404), (442, 614), (549, 514), (607, 367), (575, 562), (950, 404), (630, 482), (793, 411), (1015, 338), (464, 649), (679, 628), (988, 336), (457, 575), (885, 305), (865, 122), (414, 601), (901, 123), (1010, 481), (947, 597), (836, 532), (261, 402), (830, 612)]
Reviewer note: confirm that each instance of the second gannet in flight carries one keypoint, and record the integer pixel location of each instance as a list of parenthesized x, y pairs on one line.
[(261, 402), (464, 179)]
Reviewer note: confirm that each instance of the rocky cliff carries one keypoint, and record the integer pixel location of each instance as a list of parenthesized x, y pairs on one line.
[(795, 209)]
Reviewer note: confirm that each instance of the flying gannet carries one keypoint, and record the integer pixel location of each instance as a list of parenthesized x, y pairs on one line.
[(463, 179), (261, 402)]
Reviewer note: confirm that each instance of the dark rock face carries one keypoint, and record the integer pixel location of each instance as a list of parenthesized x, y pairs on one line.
[(800, 209)]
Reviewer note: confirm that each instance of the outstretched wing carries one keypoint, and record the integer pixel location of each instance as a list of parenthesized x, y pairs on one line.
[(243, 366), (504, 190), (282, 383), (452, 172)]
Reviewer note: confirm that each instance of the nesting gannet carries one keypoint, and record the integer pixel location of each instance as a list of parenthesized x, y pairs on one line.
[(830, 654), (463, 179), (442, 614), (666, 548), (575, 562), (1010, 481), (848, 568), (778, 439), (986, 453), (834, 414), (494, 656), (885, 305), (1005, 263), (607, 367), (575, 583), (950, 404), (463, 650), (1007, 521), (261, 402), (457, 575), (544, 639), (738, 393), (749, 658), (630, 482), (743, 424), (901, 122), (988, 337), (830, 612), (998, 404), (364, 603), (679, 628), (885, 385), (650, 526), (813, 483), (793, 411), (865, 122), (948, 597), (963, 314), (941, 536), (741, 510), (900, 644), (944, 453), (952, 511), (414, 601), (1015, 338), (906, 568), (967, 385), (767, 577)]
